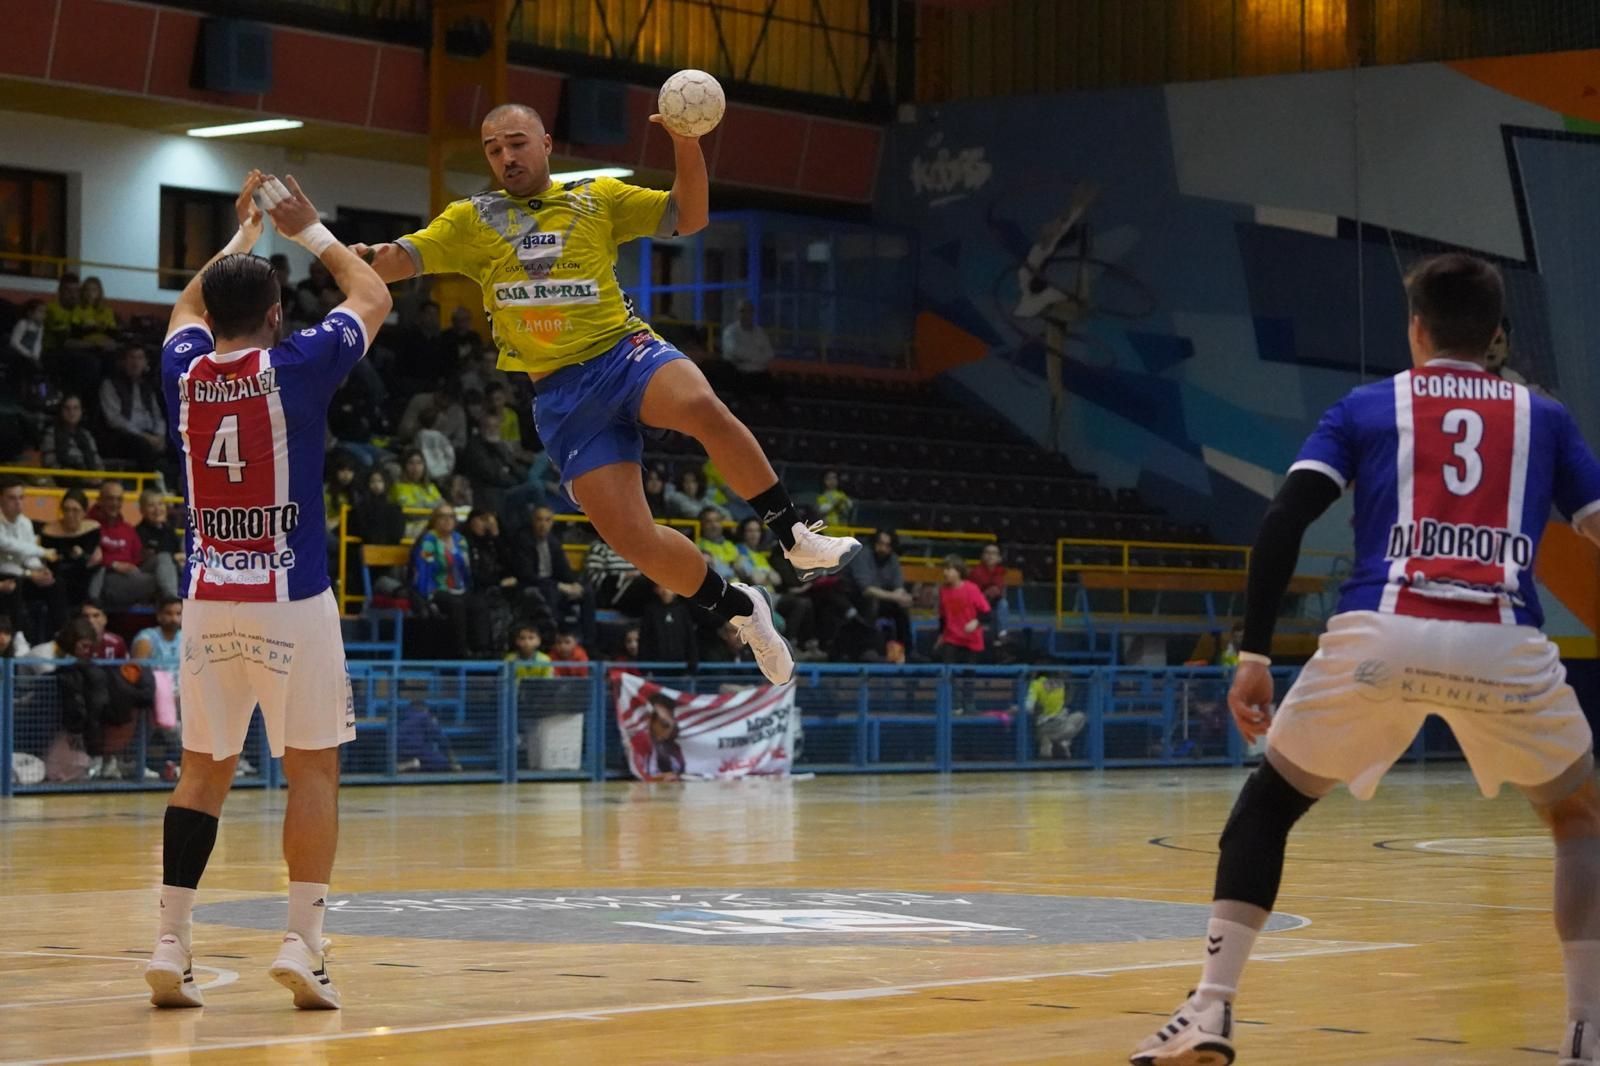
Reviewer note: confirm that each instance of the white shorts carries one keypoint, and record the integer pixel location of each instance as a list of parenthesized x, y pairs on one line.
[(1359, 702), (286, 657)]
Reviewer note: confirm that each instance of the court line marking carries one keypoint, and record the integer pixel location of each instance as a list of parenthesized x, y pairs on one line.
[(223, 977), (1329, 947)]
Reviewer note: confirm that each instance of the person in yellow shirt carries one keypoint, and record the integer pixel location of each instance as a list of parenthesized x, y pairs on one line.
[(544, 254)]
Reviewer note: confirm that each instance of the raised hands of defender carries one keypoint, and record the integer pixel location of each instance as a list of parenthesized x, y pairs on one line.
[(246, 208), (1250, 699), (290, 208)]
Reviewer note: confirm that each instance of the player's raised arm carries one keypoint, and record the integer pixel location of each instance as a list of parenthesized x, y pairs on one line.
[(366, 294), (190, 310), (691, 186)]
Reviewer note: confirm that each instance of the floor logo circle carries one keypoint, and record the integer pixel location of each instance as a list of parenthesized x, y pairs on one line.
[(801, 917)]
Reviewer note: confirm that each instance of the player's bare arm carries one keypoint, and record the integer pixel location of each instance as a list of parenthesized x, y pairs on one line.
[(190, 309), (389, 261), (691, 185), (366, 293)]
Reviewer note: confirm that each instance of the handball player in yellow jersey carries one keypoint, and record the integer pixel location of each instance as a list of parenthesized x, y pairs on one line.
[(544, 253)]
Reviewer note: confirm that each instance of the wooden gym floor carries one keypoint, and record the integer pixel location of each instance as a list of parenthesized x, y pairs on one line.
[(976, 920)]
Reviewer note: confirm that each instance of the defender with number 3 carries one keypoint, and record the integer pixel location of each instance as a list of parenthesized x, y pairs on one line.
[(1455, 472)]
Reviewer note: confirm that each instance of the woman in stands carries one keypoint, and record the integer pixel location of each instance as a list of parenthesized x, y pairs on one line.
[(414, 492), (441, 578), (75, 539), (689, 497), (93, 320), (68, 444)]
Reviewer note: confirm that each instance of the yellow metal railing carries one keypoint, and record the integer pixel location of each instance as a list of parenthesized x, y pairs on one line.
[(138, 478)]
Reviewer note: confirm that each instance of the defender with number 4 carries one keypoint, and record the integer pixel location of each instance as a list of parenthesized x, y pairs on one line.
[(1455, 472)]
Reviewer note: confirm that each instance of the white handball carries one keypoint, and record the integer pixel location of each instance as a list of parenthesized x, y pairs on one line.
[(691, 103)]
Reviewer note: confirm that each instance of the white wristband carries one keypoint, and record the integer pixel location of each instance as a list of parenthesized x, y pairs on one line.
[(1254, 657), (315, 238), (238, 243)]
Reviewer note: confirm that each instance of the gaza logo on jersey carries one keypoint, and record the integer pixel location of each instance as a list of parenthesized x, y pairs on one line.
[(540, 246), (547, 293)]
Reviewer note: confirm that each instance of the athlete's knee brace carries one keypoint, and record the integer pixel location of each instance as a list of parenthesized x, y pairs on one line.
[(1253, 841)]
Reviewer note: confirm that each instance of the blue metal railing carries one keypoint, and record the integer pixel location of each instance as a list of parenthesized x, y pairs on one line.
[(491, 725)]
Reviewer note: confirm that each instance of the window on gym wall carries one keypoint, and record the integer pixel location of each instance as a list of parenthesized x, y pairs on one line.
[(195, 223), (33, 221), (357, 225)]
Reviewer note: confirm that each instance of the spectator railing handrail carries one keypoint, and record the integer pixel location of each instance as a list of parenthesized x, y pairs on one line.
[(139, 478), (63, 261)]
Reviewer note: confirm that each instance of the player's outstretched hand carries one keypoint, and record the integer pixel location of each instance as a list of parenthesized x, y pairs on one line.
[(674, 134), (290, 208), (365, 252), (1250, 699), (245, 207)]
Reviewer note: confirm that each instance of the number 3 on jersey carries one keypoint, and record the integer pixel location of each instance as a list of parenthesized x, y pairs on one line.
[(1467, 424), (224, 453)]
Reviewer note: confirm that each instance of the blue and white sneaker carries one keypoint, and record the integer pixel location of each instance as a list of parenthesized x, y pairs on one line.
[(170, 975), (817, 555), (760, 633), (1197, 1035), (305, 974)]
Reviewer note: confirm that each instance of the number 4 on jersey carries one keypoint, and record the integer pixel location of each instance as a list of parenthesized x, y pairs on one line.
[(224, 453)]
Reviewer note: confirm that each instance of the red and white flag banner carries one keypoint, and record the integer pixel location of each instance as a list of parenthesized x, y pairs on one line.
[(669, 734)]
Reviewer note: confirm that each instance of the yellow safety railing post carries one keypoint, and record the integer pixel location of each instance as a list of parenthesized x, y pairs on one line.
[(344, 557)]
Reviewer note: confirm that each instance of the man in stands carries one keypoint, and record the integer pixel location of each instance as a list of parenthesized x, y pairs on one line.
[(543, 570), (25, 579), (122, 582), (249, 412), (879, 586), (132, 414)]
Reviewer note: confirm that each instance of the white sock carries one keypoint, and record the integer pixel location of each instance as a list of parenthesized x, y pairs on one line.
[(307, 905), (1228, 947), (1582, 958), (177, 910)]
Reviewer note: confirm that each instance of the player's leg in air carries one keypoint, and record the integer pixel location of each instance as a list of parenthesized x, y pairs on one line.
[(1570, 806)]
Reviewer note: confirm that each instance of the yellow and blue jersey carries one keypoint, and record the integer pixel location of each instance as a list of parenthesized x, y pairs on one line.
[(547, 265)]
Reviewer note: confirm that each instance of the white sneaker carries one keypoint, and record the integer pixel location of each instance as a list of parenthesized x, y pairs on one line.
[(305, 974), (816, 555), (170, 975), (757, 630), (1196, 1036), (1581, 1046)]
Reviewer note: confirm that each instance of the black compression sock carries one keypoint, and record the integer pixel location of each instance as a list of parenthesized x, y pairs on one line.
[(187, 837), (721, 598), (777, 511)]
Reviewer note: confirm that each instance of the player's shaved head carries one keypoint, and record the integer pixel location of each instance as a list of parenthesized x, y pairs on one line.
[(1458, 300), (499, 116), (518, 149), (240, 292)]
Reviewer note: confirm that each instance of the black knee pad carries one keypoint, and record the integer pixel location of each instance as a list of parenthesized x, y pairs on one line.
[(1253, 841)]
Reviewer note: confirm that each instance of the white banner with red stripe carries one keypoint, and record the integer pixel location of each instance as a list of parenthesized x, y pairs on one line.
[(670, 734)]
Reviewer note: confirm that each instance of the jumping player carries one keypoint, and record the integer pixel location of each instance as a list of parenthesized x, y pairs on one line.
[(545, 254), (1455, 471), (249, 414)]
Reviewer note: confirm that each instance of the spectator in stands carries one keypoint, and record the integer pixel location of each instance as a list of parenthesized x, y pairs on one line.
[(414, 492), (497, 402), (135, 426), (617, 585), (878, 587), (280, 271), (961, 609), (655, 492), (13, 643), (458, 493), (990, 577), (438, 454), (544, 574), (745, 346), (25, 348), (74, 538), (481, 372), (161, 645), (723, 496), (667, 631), (84, 690), (58, 312), (446, 398), (751, 562), (68, 444), (107, 645), (722, 645), (489, 464), (122, 582), (94, 320), (1229, 656), (421, 743), (720, 552), (27, 584), (834, 505), (417, 350), (1053, 727), (630, 647), (568, 650), (441, 575), (376, 518), (338, 488), (689, 497), (461, 342), (313, 294), (494, 586), (161, 546), (528, 660)]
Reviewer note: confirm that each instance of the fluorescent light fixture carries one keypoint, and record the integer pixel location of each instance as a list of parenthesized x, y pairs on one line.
[(234, 129), (597, 172)]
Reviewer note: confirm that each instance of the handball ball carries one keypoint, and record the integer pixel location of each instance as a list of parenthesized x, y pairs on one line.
[(691, 103)]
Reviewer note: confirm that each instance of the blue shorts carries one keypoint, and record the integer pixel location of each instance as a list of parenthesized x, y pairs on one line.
[(587, 414)]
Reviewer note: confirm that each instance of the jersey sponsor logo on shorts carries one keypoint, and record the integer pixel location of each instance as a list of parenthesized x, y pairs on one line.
[(245, 523), (241, 567), (1432, 539), (1451, 387), (548, 293), (229, 390)]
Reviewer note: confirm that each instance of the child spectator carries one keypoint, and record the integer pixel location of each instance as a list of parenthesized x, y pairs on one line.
[(26, 345), (526, 658), (990, 577), (961, 607), (338, 489), (1054, 727), (568, 650), (420, 743), (438, 454), (377, 519), (834, 506), (107, 645), (67, 444)]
